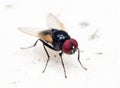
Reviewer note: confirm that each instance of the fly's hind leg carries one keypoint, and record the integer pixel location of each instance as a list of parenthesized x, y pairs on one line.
[(44, 44), (47, 59), (31, 46)]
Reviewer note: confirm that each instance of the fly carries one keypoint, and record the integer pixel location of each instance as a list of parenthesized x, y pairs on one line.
[(55, 38)]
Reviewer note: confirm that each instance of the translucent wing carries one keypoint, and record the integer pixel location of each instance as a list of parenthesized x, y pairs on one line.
[(44, 35), (53, 22)]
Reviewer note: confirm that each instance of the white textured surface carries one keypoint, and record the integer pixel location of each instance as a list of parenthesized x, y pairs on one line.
[(83, 18)]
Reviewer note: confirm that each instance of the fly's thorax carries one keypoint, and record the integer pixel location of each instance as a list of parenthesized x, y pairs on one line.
[(59, 37)]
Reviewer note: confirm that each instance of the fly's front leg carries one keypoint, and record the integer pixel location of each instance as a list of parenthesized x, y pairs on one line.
[(79, 60), (60, 54)]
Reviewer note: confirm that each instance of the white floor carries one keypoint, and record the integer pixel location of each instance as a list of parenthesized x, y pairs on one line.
[(94, 23)]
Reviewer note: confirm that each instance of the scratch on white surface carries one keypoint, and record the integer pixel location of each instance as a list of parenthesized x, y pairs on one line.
[(84, 24), (8, 6), (95, 35)]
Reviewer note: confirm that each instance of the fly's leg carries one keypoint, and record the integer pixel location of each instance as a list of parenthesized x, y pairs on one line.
[(31, 46), (44, 44), (79, 60), (60, 54), (47, 59), (36, 44)]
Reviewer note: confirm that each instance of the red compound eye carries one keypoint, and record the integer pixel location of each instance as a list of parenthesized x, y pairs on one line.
[(70, 46)]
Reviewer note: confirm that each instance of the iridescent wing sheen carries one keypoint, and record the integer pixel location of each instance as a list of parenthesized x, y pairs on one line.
[(44, 35), (54, 22)]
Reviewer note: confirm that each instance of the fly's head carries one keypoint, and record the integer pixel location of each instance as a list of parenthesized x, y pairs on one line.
[(70, 46)]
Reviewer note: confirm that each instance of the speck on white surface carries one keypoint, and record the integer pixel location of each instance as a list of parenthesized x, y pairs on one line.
[(23, 68)]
